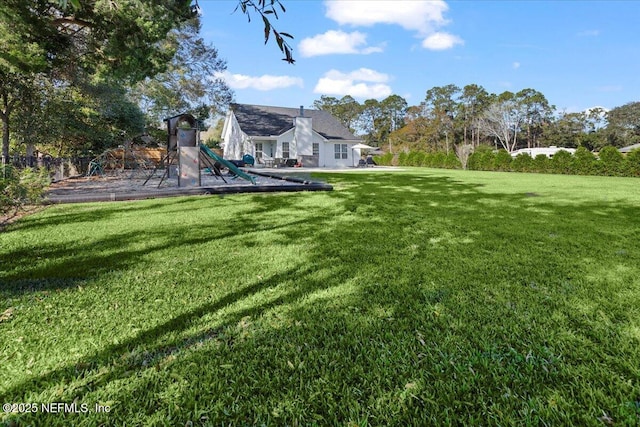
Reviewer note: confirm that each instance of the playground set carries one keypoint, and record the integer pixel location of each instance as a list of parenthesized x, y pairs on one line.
[(188, 168), (186, 158), (129, 160)]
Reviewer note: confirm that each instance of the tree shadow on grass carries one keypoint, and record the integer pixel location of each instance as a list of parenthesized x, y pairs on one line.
[(63, 265), (147, 337), (422, 316), (96, 212)]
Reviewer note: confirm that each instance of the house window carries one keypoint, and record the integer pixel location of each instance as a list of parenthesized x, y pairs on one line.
[(285, 150), (341, 151), (316, 149), (259, 150)]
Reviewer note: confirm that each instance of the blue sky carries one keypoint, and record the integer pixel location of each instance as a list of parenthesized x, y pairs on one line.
[(579, 54)]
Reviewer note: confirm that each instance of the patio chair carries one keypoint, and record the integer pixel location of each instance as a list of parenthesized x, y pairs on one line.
[(265, 160), (248, 160)]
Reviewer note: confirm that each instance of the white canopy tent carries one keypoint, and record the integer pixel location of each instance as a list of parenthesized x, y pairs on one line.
[(360, 147)]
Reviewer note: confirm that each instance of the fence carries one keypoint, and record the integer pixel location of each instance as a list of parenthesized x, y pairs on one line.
[(59, 168), (117, 158)]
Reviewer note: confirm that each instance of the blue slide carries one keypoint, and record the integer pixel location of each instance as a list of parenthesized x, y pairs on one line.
[(233, 168)]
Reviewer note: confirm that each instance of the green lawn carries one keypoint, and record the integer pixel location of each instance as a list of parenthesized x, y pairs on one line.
[(424, 297)]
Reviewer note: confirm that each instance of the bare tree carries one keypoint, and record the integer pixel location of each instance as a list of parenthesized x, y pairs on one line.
[(502, 121), (463, 151)]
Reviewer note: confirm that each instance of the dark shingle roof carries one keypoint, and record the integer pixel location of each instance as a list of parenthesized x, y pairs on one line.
[(260, 120)]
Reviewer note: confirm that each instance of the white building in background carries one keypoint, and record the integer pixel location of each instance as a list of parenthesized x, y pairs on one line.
[(629, 148), (279, 135), (547, 151)]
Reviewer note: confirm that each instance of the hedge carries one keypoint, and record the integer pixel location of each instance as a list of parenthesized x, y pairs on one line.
[(440, 160), (610, 161), (21, 187)]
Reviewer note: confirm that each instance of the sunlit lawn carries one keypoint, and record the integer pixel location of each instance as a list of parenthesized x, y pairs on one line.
[(423, 297)]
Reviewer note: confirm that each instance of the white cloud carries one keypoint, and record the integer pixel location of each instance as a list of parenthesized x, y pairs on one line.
[(264, 83), (361, 83), (441, 41), (602, 110), (422, 17), (516, 65), (363, 74), (336, 42), (373, 49)]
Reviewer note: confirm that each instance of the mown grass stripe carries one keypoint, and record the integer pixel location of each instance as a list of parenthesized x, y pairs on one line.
[(416, 298)]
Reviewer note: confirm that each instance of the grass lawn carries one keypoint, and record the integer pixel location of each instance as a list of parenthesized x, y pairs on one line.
[(423, 297)]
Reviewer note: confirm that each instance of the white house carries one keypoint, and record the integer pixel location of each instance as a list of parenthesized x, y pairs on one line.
[(275, 134), (547, 151), (629, 148)]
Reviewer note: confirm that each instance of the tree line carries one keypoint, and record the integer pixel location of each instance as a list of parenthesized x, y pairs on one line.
[(77, 76), (450, 118)]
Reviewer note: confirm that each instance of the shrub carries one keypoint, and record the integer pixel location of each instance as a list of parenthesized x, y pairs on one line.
[(452, 161), (584, 162), (562, 162), (424, 159), (438, 159), (430, 160), (541, 164), (8, 180), (611, 161), (384, 160), (19, 188), (502, 161), (408, 159), (402, 159), (522, 163), (472, 163), (415, 158), (632, 163), (481, 159)]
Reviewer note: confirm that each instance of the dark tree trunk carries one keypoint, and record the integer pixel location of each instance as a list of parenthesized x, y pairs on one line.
[(5, 114), (5, 138)]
